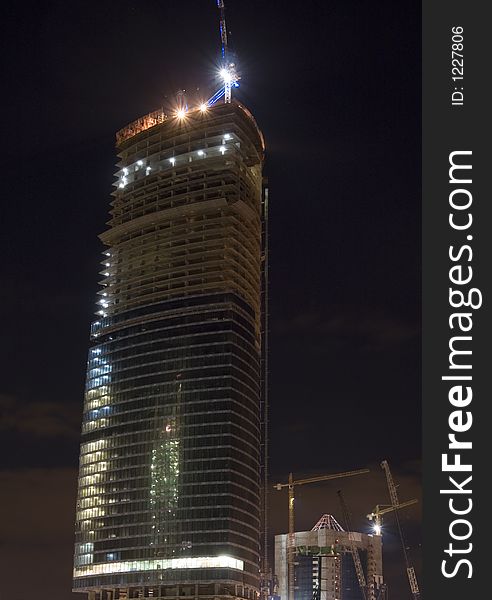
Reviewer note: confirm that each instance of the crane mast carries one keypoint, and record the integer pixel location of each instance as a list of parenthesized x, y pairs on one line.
[(223, 29), (353, 548), (412, 578), (228, 71)]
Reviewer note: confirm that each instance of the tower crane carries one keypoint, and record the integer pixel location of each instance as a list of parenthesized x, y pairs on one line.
[(353, 549), (228, 71), (412, 578), (290, 485), (382, 509)]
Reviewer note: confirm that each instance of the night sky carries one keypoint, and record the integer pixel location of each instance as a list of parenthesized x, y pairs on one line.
[(335, 87)]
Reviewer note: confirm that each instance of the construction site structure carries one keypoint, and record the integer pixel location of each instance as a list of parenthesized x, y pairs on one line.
[(366, 589), (412, 577), (291, 506), (180, 308), (323, 562)]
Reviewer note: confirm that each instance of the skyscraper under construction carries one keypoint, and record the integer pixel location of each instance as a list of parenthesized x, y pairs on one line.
[(169, 485)]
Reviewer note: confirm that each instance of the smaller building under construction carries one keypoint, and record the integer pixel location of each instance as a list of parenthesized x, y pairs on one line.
[(324, 562)]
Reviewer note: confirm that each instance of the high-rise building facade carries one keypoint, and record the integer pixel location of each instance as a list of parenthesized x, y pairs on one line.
[(169, 493)]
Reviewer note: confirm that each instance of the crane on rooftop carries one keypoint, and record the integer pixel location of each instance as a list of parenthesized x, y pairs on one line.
[(223, 28), (228, 72), (290, 485)]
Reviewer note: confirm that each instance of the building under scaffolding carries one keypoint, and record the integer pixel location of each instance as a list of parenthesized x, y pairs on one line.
[(169, 483), (324, 567)]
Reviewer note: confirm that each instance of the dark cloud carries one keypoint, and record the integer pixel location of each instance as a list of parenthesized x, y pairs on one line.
[(374, 329), (38, 510), (40, 419)]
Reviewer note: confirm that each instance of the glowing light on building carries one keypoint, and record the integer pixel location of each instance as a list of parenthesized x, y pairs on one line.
[(226, 75), (164, 470), (208, 562)]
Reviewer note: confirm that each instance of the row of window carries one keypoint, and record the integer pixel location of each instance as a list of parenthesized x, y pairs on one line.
[(238, 518), (157, 417), (187, 507), (186, 350), (194, 436), (186, 478), (190, 412), (194, 406), (198, 304), (157, 564), (161, 328), (186, 467), (175, 577), (175, 534), (200, 367), (213, 484), (220, 544)]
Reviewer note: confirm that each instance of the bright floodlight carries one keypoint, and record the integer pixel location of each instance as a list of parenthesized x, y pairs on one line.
[(377, 529), (203, 108), (180, 113), (200, 152), (226, 76)]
